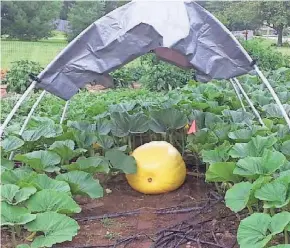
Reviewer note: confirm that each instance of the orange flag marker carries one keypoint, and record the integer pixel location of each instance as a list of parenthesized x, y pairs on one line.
[(192, 128)]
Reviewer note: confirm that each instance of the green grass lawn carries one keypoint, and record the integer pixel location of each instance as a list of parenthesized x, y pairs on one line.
[(283, 50), (41, 51)]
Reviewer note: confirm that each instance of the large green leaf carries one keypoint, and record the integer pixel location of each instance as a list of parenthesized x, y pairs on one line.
[(253, 231), (103, 126), (19, 176), (239, 116), (221, 172), (219, 154), (167, 119), (13, 215), (83, 139), (254, 148), (46, 130), (105, 141), (82, 126), (285, 148), (65, 149), (238, 196), (121, 161), (279, 222), (265, 165), (90, 165), (56, 228), (241, 135), (123, 124), (42, 181), (82, 183), (261, 181), (12, 194), (122, 107), (52, 200), (11, 143), (273, 194), (40, 160), (211, 120), (6, 164), (273, 110)]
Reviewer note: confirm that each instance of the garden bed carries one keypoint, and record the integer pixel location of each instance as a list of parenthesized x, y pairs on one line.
[(126, 218)]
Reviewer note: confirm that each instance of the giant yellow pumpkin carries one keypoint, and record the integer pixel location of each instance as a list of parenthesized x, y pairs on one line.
[(160, 168)]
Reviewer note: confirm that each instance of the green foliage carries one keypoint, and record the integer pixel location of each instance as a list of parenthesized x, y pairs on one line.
[(160, 75), (82, 14), (52, 200), (82, 183), (26, 20), (17, 78), (267, 58), (14, 215), (56, 228)]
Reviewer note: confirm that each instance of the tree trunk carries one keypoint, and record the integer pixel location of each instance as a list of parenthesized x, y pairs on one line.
[(280, 36)]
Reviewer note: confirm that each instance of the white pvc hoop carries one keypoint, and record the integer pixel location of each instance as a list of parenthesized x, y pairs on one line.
[(250, 102), (238, 94), (64, 112), (16, 107)]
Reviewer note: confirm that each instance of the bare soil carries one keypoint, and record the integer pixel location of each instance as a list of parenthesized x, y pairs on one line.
[(190, 217)]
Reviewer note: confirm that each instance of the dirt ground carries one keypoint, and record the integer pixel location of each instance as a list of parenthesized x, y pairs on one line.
[(188, 215)]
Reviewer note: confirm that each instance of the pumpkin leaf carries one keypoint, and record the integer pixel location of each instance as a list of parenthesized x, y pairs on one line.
[(52, 200), (19, 176), (103, 126), (124, 124), (265, 165), (241, 135), (167, 119), (219, 154), (238, 196), (46, 130), (279, 222), (253, 231), (273, 194), (90, 165), (56, 228), (11, 143), (285, 148), (253, 148), (42, 181), (65, 149), (13, 195), (14, 215), (6, 164), (105, 141), (221, 172), (82, 183), (40, 160), (121, 161)]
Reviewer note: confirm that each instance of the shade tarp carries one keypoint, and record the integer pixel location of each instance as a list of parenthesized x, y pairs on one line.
[(180, 32)]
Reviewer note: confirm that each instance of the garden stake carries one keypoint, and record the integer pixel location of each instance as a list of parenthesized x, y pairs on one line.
[(273, 93), (16, 107), (250, 102), (238, 94)]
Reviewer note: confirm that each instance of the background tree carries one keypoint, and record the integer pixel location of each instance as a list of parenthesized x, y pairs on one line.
[(277, 16), (82, 14), (29, 20), (66, 5)]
